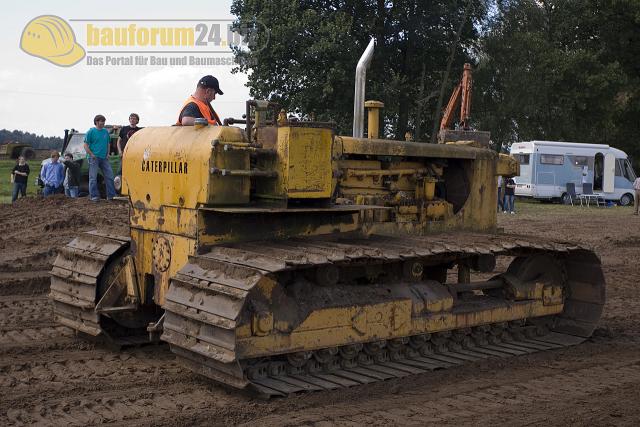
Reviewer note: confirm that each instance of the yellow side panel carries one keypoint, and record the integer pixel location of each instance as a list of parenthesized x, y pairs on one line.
[(307, 161), (340, 326), (160, 255), (168, 219), (171, 165)]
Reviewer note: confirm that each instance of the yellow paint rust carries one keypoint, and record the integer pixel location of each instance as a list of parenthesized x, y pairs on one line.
[(167, 219), (340, 326), (172, 166), (373, 118), (507, 166), (552, 295), (143, 243), (305, 162), (171, 169)]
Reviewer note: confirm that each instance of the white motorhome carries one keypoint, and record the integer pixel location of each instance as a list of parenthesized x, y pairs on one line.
[(547, 166)]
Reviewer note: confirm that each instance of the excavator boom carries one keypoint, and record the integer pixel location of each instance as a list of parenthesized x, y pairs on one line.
[(461, 96)]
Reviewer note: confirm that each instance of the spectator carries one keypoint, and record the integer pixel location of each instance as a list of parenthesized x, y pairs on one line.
[(19, 177), (509, 196), (636, 187), (500, 202), (96, 144), (127, 132), (71, 176), (52, 175)]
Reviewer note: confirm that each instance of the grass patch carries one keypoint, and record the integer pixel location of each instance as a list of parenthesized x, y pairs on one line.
[(6, 187), (530, 207)]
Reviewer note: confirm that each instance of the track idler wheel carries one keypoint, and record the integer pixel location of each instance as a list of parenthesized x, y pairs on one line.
[(397, 348), (299, 359), (350, 351), (412, 270), (126, 313), (397, 344), (484, 263), (373, 348), (418, 341), (276, 368), (325, 355)]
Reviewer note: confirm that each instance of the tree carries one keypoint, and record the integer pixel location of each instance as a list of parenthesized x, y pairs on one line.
[(560, 70), (36, 141), (309, 54)]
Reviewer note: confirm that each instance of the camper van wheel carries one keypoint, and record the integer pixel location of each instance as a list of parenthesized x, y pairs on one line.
[(565, 199), (626, 200)]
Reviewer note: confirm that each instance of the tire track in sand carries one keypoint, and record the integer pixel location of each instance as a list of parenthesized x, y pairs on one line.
[(24, 311), (472, 405), (71, 371), (108, 407)]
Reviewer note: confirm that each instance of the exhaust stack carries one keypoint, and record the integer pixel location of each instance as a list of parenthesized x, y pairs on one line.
[(361, 80)]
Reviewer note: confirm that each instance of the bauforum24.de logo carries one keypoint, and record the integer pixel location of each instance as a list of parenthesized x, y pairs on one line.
[(139, 41)]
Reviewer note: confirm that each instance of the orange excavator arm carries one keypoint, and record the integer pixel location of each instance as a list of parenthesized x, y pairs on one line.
[(461, 95)]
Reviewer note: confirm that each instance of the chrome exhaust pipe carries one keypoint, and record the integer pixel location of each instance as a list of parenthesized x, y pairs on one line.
[(361, 80)]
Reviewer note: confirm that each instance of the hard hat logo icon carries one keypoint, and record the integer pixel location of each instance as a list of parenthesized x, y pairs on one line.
[(51, 38)]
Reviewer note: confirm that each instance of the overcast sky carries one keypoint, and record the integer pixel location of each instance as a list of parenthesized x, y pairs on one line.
[(37, 96)]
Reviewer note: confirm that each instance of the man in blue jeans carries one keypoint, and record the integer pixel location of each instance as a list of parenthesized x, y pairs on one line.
[(52, 175), (71, 176), (509, 196), (96, 144)]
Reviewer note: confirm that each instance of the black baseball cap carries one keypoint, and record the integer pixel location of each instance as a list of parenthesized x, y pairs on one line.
[(210, 82)]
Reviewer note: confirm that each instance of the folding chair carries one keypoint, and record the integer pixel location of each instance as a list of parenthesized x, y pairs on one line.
[(587, 192), (571, 192)]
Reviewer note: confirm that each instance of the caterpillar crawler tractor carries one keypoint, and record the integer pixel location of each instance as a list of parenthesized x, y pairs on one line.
[(284, 258)]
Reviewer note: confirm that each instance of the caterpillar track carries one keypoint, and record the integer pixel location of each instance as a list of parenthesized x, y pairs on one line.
[(76, 279), (213, 302)]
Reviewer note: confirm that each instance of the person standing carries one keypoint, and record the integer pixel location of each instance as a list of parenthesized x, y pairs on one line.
[(500, 204), (96, 144), (510, 196), (71, 176), (20, 176), (585, 175), (127, 131), (636, 187), (52, 175)]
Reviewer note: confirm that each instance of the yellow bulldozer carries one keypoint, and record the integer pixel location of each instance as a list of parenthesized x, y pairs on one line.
[(284, 258)]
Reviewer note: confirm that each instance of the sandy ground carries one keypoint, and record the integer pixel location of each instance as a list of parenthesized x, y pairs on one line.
[(49, 377)]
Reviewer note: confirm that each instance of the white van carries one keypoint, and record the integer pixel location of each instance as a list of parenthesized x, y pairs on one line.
[(547, 166)]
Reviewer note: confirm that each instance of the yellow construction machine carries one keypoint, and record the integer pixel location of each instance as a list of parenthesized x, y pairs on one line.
[(283, 258)]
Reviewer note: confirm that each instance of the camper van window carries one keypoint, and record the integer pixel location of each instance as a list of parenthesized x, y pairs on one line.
[(551, 159), (579, 160), (619, 167), (628, 171), (523, 159)]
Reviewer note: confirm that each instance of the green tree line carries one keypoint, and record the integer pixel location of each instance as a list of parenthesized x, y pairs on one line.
[(543, 69), (36, 141)]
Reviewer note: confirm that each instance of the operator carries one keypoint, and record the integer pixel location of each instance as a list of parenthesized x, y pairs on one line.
[(199, 106)]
